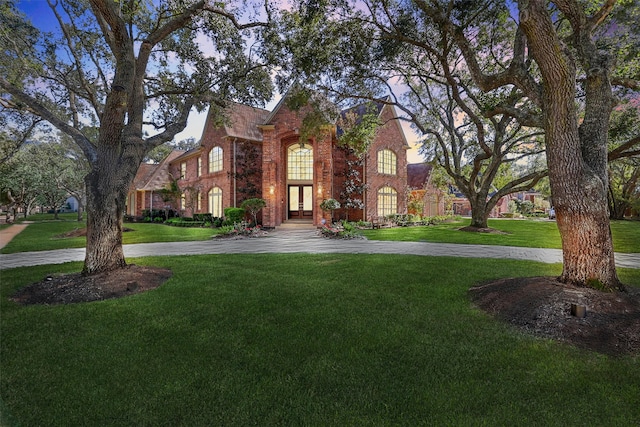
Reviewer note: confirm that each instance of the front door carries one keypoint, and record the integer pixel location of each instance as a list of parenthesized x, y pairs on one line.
[(300, 202)]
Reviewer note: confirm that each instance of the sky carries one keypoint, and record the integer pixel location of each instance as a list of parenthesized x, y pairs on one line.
[(40, 15)]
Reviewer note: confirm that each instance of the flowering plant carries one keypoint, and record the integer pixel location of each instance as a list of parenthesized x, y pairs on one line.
[(329, 205)]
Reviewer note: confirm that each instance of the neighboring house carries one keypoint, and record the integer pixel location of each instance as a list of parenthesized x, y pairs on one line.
[(421, 189), (461, 205), (146, 191)]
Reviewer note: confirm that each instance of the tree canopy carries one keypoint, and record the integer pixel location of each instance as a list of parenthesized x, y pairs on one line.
[(121, 78), (550, 66)]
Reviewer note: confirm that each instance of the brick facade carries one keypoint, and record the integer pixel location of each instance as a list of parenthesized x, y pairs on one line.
[(255, 144)]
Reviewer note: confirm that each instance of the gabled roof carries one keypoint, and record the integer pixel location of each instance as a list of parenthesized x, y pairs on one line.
[(418, 175), (275, 110), (142, 176), (360, 110), (244, 121), (160, 175), (187, 154)]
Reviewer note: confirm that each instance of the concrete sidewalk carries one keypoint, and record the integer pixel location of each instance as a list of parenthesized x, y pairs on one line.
[(306, 240)]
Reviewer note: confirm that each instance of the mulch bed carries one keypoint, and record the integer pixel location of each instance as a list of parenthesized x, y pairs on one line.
[(542, 306), (76, 288)]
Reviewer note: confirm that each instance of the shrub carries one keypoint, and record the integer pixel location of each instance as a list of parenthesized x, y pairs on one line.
[(329, 205), (346, 230), (233, 215), (253, 206), (206, 217), (241, 229)]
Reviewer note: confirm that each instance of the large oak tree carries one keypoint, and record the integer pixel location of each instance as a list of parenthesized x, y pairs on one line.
[(557, 57), (134, 70)]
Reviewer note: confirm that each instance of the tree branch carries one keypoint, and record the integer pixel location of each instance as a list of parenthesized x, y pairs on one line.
[(40, 110), (621, 151)]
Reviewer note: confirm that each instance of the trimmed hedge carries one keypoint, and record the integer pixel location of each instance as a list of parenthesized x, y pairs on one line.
[(233, 215)]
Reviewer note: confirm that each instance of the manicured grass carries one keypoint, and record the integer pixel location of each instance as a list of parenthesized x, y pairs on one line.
[(72, 216), (523, 233), (276, 339), (43, 236)]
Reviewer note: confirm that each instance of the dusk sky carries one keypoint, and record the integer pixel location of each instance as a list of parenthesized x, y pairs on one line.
[(39, 13)]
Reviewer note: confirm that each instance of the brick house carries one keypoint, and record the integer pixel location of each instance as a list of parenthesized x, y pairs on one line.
[(258, 153), (422, 190), (146, 192)]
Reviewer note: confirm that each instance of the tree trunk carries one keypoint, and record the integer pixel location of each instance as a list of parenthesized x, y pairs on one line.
[(577, 158), (107, 185), (480, 208), (479, 215), (105, 207)]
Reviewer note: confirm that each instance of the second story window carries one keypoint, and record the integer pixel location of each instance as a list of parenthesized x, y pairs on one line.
[(300, 162), (199, 167), (386, 162), (183, 170), (215, 160)]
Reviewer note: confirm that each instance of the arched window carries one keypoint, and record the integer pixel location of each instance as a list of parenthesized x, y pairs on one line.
[(215, 160), (215, 202), (387, 201), (387, 162), (300, 162)]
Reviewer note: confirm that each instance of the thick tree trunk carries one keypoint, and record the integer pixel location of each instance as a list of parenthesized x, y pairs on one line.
[(105, 207), (576, 156), (480, 215), (107, 186)]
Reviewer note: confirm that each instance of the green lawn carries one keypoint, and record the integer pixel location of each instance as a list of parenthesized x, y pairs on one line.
[(42, 236), (526, 233), (317, 340), (523, 233)]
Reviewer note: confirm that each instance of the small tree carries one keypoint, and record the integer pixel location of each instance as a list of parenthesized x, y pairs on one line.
[(330, 205), (253, 206)]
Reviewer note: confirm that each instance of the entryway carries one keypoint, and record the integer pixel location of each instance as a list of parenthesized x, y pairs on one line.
[(300, 202)]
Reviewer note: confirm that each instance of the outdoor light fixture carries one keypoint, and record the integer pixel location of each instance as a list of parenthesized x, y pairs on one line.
[(272, 189), (579, 311), (320, 189)]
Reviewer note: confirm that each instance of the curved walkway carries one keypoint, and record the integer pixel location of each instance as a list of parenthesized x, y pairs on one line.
[(296, 240)]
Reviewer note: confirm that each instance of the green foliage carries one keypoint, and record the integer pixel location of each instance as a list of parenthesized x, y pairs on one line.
[(329, 205), (253, 206), (106, 74), (524, 207), (624, 171), (343, 230), (316, 110), (359, 127), (233, 215), (172, 192), (159, 153)]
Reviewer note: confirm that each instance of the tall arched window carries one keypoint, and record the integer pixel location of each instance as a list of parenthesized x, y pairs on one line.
[(387, 162), (300, 162), (387, 201), (215, 160), (215, 202)]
